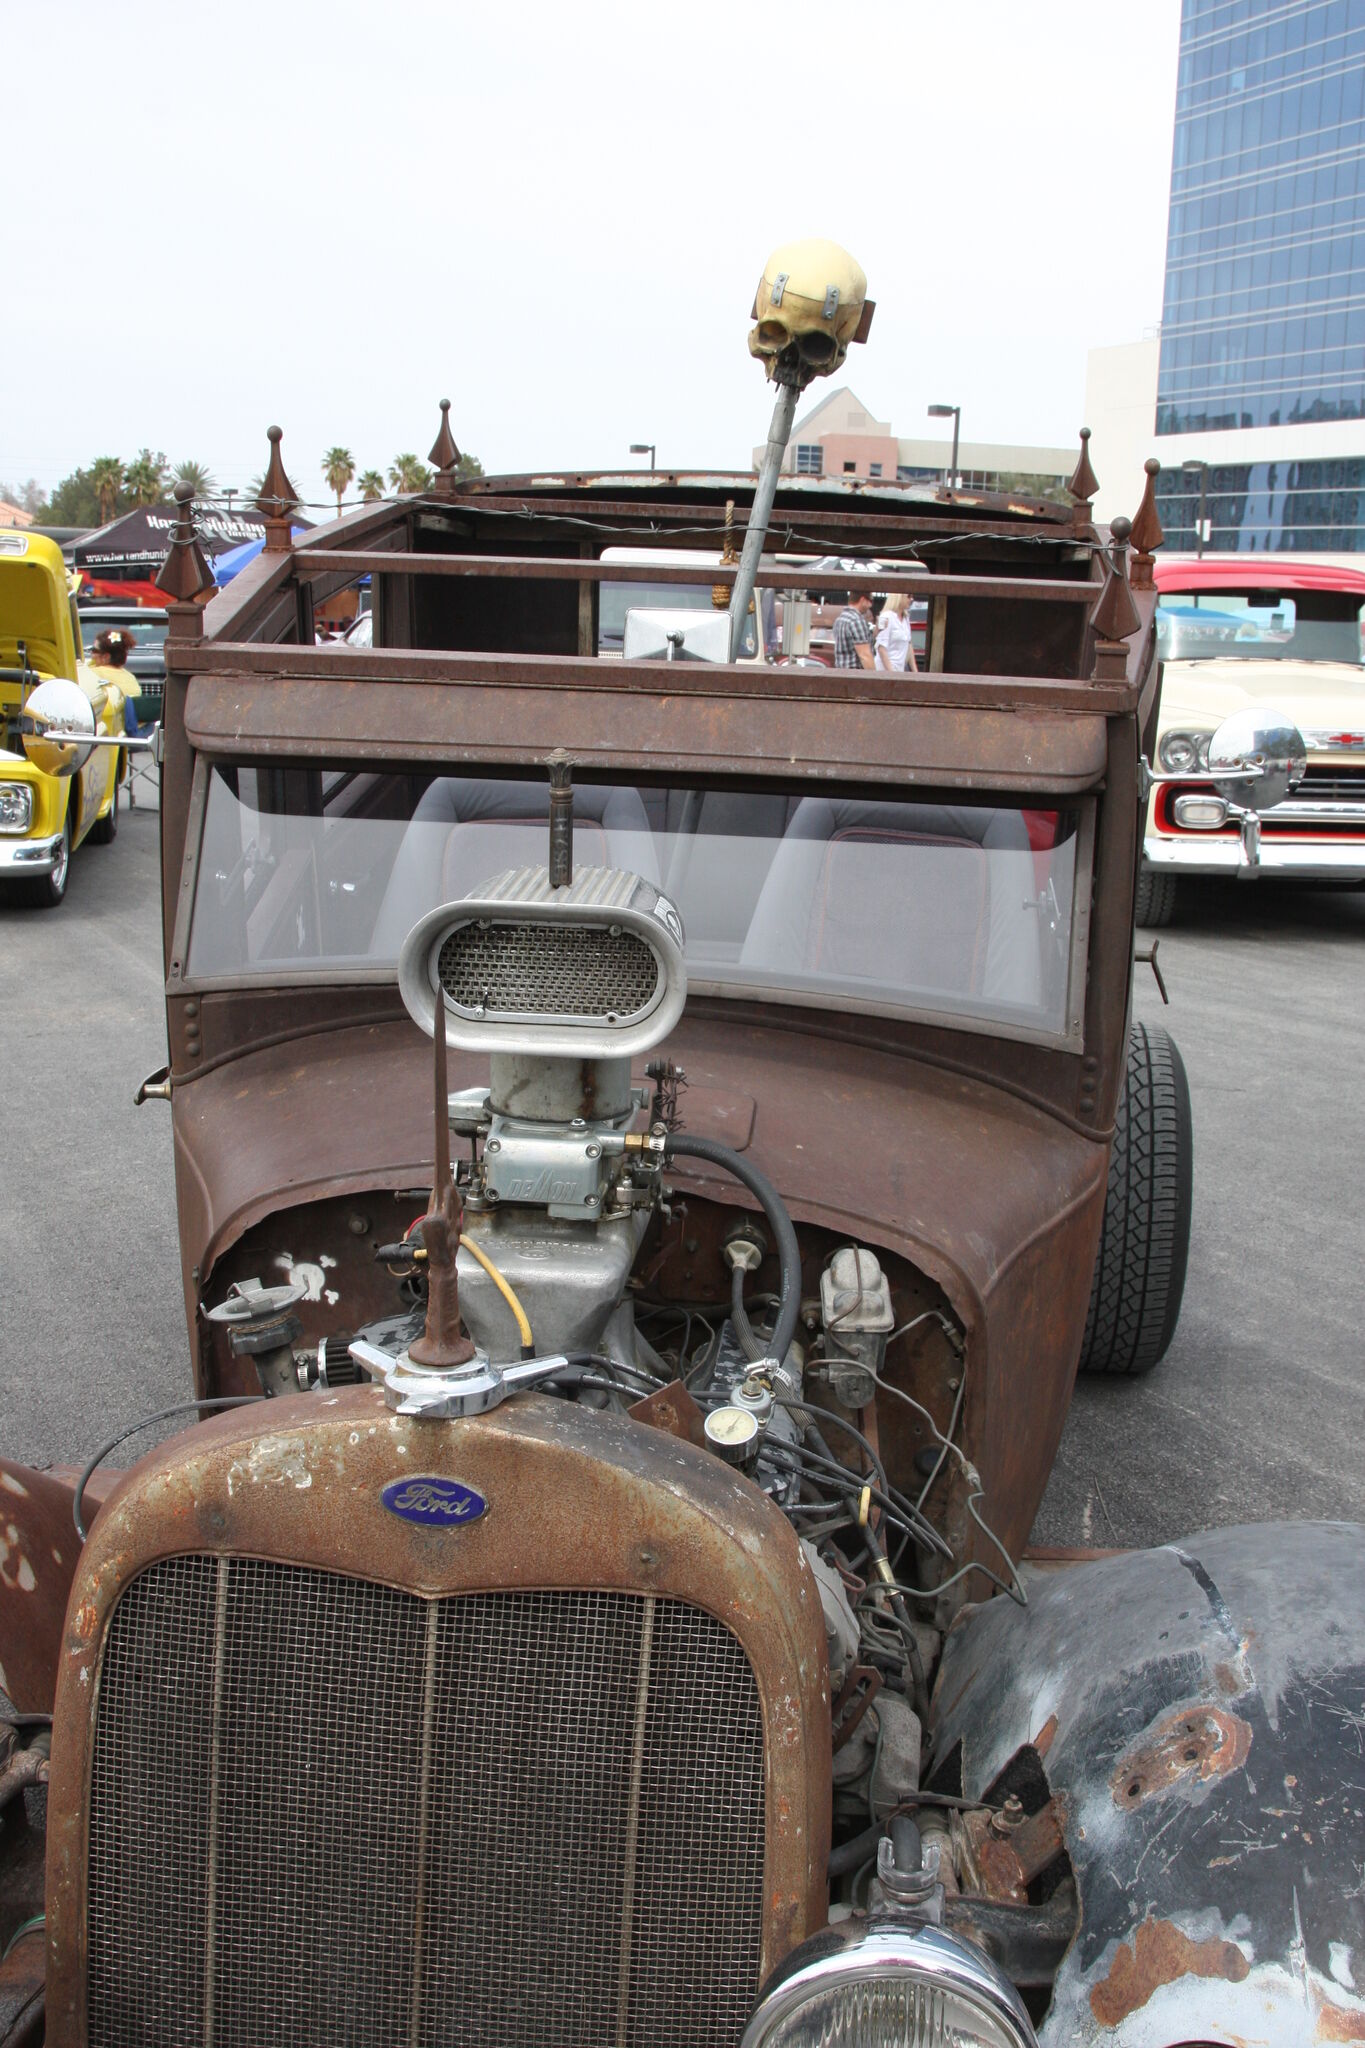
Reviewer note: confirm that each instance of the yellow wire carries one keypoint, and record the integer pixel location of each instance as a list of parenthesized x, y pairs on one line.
[(504, 1289)]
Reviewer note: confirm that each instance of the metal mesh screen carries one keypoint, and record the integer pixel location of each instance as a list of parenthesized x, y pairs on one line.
[(539, 970), (325, 1811)]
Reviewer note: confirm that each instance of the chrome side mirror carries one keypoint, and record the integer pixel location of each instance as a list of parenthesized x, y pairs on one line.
[(58, 727), (1256, 757)]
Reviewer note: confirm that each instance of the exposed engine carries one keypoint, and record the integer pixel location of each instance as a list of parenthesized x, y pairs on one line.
[(521, 1274)]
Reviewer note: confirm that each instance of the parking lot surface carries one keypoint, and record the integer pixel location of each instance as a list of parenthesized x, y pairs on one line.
[(1255, 1414)]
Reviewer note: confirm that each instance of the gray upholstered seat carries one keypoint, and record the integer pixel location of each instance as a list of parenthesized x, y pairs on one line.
[(912, 897), (466, 829)]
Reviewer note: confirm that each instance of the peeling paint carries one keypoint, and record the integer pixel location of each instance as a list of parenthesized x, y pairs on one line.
[(1159, 1955)]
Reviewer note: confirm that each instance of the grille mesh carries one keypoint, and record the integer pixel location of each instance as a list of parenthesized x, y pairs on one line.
[(539, 970), (323, 1810)]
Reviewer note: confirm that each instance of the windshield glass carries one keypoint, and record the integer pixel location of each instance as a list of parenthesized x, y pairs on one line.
[(951, 908), (1259, 625), (142, 632), (619, 598)]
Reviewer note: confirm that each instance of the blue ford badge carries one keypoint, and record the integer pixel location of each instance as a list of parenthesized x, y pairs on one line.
[(434, 1503)]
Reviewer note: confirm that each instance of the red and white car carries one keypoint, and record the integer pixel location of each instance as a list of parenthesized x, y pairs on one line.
[(1244, 631)]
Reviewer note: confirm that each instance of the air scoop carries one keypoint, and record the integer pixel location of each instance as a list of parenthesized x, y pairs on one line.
[(562, 986)]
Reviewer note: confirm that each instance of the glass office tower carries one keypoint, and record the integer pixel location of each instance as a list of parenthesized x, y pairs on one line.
[(1264, 316)]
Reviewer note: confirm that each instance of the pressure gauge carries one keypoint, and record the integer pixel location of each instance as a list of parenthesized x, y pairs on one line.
[(733, 1434)]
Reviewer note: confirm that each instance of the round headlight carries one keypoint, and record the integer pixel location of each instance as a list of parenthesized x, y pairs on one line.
[(1179, 754), (890, 1985)]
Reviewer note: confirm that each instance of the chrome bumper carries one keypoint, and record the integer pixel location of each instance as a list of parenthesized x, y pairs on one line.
[(1308, 860), (29, 856)]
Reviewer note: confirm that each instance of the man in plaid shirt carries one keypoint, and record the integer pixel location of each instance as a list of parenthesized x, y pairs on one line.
[(853, 633)]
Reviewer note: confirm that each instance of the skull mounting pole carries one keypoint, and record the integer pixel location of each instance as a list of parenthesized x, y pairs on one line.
[(561, 819), (810, 304), (779, 433)]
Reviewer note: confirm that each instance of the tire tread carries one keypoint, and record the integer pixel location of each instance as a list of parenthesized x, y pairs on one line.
[(1144, 1239)]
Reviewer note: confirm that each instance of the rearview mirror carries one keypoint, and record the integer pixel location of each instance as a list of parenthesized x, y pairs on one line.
[(1256, 757), (58, 727)]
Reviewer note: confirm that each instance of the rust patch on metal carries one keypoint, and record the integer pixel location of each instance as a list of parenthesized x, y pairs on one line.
[(1334, 2023), (1009, 1853), (1194, 1742), (1161, 1954), (673, 1410), (1046, 1736)]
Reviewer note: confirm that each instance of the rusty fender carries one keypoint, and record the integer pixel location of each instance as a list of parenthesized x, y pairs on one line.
[(38, 1552), (1199, 1711)]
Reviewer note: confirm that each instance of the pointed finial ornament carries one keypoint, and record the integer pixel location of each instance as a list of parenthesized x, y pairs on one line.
[(185, 574), (1115, 618), (1083, 482), (277, 500), (444, 454), (1147, 534)]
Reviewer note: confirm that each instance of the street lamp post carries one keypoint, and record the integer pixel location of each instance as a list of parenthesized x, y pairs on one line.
[(1189, 469), (954, 413), (643, 448)]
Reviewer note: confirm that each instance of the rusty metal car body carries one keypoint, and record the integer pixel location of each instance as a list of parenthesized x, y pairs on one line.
[(533, 1718)]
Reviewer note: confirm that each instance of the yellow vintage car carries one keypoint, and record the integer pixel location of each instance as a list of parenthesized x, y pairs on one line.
[(52, 796)]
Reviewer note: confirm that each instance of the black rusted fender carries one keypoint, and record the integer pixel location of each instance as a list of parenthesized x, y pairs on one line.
[(1200, 1712)]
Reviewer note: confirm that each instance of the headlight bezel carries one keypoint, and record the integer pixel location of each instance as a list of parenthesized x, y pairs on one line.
[(1179, 739), (855, 1953), (22, 793)]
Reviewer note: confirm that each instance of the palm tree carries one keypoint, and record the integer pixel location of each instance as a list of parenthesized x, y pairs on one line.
[(371, 485), (106, 474), (338, 467), (145, 478), (196, 475), (468, 465), (407, 475)]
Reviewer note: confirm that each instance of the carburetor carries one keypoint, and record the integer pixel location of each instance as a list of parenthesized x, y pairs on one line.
[(561, 983)]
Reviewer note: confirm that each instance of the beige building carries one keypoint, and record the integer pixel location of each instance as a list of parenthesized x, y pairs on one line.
[(840, 437), (14, 515)]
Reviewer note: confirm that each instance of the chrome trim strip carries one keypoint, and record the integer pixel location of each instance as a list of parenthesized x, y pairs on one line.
[(28, 856)]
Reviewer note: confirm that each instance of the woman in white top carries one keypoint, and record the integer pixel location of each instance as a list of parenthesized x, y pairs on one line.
[(894, 647)]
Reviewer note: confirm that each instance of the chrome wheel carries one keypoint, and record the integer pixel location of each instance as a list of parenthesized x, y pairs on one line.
[(48, 890)]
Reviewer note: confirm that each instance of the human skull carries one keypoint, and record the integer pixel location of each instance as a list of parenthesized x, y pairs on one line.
[(811, 303)]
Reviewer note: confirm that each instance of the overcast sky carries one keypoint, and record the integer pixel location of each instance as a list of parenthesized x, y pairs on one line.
[(334, 215)]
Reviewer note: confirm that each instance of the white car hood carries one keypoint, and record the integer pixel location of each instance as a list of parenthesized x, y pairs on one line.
[(1322, 697)]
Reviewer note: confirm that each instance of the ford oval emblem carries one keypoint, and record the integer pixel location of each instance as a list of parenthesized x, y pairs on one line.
[(432, 1502)]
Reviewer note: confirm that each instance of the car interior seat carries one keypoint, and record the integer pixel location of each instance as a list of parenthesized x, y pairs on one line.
[(466, 829), (839, 903)]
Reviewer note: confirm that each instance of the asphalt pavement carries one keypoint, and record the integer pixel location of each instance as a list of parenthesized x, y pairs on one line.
[(1255, 1414)]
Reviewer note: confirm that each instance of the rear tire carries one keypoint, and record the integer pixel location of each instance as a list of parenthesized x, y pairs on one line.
[(1155, 898), (106, 828), (1145, 1240)]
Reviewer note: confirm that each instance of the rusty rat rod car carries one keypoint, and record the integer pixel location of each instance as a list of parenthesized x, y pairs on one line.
[(601, 1619)]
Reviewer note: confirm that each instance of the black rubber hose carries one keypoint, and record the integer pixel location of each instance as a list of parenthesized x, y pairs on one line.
[(681, 1145), (852, 1855)]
